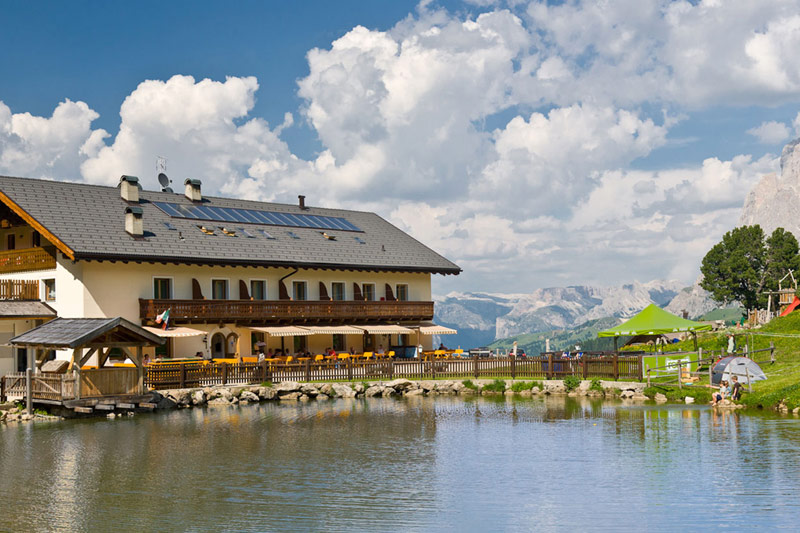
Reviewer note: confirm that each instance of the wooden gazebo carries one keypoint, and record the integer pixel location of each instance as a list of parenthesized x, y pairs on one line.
[(86, 337)]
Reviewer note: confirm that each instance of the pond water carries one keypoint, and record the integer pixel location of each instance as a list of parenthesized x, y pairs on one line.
[(418, 464)]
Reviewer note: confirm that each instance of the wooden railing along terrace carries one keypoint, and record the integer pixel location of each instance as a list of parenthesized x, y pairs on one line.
[(26, 259), (186, 375), (19, 289), (278, 311)]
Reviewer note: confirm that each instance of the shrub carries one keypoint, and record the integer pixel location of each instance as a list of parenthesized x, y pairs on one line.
[(497, 385), (469, 384), (571, 383), (266, 384), (596, 385), (520, 386)]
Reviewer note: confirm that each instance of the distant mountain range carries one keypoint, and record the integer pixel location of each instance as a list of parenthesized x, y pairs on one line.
[(482, 318)]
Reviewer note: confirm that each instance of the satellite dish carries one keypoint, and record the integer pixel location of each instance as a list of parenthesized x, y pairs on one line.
[(167, 189), (163, 179)]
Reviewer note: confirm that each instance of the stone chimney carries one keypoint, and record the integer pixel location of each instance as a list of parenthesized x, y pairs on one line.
[(129, 189), (301, 201), (133, 221), (193, 190)]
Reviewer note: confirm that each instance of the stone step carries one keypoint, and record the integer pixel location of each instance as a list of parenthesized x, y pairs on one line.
[(126, 406), (84, 410), (148, 405), (104, 407)]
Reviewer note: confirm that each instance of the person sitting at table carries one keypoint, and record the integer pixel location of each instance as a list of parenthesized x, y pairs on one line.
[(146, 359), (269, 354), (380, 350), (352, 351), (442, 346)]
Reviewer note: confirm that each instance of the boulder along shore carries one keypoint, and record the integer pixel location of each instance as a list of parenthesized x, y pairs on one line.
[(293, 391)]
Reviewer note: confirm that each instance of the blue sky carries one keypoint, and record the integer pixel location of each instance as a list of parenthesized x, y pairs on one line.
[(507, 135)]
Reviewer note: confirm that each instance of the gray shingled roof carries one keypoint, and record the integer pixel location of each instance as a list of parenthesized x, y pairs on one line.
[(25, 309), (90, 220), (74, 332)]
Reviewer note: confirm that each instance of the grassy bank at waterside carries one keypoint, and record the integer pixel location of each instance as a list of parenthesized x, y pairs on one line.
[(781, 390)]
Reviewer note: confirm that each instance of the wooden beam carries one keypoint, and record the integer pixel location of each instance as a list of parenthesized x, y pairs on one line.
[(103, 357), (86, 357), (24, 215)]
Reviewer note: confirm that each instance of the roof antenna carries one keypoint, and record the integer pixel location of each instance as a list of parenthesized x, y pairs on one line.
[(161, 170)]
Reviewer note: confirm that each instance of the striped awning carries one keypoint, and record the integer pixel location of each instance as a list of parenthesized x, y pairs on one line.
[(385, 330), (435, 329), (334, 330), (175, 332), (284, 331)]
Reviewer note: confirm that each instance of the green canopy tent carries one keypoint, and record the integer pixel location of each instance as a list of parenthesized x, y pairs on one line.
[(653, 320)]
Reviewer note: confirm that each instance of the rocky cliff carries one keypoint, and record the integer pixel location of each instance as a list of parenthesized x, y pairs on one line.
[(774, 201)]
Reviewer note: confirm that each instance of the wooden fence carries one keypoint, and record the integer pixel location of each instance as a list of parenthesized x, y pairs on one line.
[(53, 387), (185, 375)]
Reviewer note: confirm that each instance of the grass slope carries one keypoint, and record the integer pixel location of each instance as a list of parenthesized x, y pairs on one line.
[(584, 335), (783, 376)]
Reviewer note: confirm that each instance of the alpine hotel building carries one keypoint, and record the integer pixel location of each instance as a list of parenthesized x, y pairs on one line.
[(231, 273)]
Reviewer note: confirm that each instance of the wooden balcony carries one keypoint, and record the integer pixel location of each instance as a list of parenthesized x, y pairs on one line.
[(273, 312), (26, 259), (19, 289)]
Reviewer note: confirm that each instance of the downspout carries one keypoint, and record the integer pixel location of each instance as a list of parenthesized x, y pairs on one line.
[(280, 281)]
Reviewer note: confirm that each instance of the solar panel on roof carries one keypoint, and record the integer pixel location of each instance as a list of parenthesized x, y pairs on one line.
[(253, 216)]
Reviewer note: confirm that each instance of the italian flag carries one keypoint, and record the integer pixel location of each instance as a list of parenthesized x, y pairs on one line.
[(162, 319)]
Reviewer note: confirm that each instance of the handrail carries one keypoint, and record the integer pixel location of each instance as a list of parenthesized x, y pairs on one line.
[(19, 289), (26, 259)]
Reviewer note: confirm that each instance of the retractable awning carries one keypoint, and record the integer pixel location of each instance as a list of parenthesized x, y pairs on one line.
[(175, 332), (284, 331), (334, 330), (385, 330), (435, 329)]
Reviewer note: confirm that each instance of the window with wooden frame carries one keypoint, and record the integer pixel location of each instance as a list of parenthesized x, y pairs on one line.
[(162, 288), (401, 292), (11, 241), (258, 289), (299, 290), (337, 291), (368, 290), (36, 239), (49, 289), (219, 289)]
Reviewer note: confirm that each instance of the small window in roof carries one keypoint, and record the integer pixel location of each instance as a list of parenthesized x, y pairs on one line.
[(327, 236), (228, 231), (293, 235), (245, 233), (169, 226), (359, 240), (267, 234), (206, 230)]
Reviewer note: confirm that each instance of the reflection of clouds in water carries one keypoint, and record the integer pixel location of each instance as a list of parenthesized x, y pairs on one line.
[(428, 463)]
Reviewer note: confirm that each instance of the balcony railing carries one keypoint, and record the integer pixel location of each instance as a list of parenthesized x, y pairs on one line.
[(26, 259), (19, 289), (265, 312)]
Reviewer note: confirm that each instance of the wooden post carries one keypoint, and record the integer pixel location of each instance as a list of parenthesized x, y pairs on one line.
[(2, 389), (263, 371), (584, 362), (183, 376), (771, 352), (75, 363), (513, 368), (710, 371), (349, 369), (224, 373), (641, 367), (616, 365), (308, 370), (475, 366), (648, 375), (140, 369), (694, 337), (29, 390), (550, 363)]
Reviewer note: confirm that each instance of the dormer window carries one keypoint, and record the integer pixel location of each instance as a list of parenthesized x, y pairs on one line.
[(206, 230)]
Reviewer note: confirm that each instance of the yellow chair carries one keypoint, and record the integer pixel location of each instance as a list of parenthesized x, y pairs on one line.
[(344, 355), (289, 359), (319, 358), (367, 355), (390, 354)]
